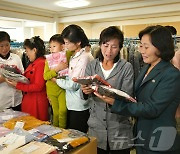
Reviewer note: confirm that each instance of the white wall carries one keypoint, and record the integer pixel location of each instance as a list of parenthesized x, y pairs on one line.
[(16, 34), (48, 31), (20, 30), (28, 32), (87, 27)]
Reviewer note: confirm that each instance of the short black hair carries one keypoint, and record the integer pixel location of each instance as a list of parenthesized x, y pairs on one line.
[(57, 38), (161, 38), (36, 42), (75, 34), (172, 29), (4, 36), (108, 34)]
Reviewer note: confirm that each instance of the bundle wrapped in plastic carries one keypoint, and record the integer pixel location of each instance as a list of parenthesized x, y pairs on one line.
[(43, 131), (101, 86), (14, 139), (95, 79), (30, 122), (35, 147), (13, 73), (67, 140), (8, 114), (112, 92)]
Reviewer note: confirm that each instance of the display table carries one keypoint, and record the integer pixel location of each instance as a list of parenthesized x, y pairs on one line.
[(90, 148), (34, 129)]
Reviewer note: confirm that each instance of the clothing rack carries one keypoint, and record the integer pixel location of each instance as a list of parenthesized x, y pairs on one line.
[(93, 41), (176, 39), (16, 44)]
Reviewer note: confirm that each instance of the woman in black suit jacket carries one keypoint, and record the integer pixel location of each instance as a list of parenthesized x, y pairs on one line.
[(157, 94)]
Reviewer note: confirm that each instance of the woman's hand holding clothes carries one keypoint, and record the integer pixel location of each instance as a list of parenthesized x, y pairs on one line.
[(11, 82), (87, 89), (106, 99), (110, 100), (61, 66)]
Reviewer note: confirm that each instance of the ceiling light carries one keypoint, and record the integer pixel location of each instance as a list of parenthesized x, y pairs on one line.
[(72, 3)]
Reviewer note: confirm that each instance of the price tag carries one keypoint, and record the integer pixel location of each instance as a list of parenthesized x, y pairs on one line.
[(19, 124)]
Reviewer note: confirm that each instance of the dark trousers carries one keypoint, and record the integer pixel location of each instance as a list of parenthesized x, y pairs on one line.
[(78, 120), (140, 150), (17, 108), (124, 151), (108, 151)]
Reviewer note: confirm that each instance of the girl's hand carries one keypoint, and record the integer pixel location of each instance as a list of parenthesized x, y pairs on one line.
[(87, 89), (53, 80), (61, 66), (106, 99), (11, 82), (132, 99)]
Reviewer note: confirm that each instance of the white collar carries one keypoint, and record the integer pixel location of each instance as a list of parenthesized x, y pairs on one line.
[(9, 58), (78, 53)]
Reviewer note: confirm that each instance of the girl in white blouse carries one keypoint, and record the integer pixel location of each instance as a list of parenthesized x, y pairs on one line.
[(9, 96)]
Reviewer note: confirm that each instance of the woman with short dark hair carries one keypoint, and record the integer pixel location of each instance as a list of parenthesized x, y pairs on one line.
[(113, 132), (9, 97), (157, 92)]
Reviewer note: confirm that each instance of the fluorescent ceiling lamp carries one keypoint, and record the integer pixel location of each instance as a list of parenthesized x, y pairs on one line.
[(72, 3)]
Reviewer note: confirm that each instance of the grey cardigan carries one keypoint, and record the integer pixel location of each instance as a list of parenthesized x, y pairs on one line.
[(104, 125)]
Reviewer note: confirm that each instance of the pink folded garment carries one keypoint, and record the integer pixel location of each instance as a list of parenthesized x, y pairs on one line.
[(54, 59)]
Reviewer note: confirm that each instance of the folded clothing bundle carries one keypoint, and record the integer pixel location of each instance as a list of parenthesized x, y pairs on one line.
[(11, 68), (54, 59), (14, 139), (13, 73), (35, 148), (110, 92), (67, 140), (8, 114), (95, 79), (30, 122), (102, 87)]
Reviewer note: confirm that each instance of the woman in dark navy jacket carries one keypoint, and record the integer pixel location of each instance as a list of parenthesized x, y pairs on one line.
[(157, 94)]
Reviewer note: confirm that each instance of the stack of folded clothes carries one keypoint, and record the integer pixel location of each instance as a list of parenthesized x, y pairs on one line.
[(25, 134), (67, 140), (110, 92)]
